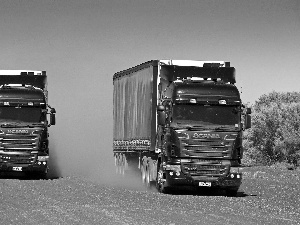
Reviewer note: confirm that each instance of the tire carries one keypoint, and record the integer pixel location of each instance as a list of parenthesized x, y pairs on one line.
[(43, 176), (143, 175), (122, 168), (120, 164), (37, 176), (146, 177), (160, 182), (231, 192)]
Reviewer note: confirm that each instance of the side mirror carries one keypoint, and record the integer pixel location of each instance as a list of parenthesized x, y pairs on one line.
[(161, 118), (52, 119), (247, 121), (52, 110), (160, 108), (248, 111)]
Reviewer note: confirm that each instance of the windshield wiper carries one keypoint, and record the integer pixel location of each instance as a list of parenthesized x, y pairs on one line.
[(12, 124), (191, 127), (198, 127), (36, 124), (16, 124), (225, 128)]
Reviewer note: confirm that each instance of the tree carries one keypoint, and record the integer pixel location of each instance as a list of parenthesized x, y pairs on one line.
[(275, 132)]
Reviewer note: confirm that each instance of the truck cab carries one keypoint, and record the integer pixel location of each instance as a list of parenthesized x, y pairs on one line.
[(24, 109), (200, 119), (202, 138)]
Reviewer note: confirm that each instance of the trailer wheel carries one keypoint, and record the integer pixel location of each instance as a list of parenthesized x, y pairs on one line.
[(147, 177), (120, 163), (122, 166), (143, 173)]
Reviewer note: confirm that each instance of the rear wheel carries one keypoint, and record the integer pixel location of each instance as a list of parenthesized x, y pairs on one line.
[(143, 175), (120, 163), (146, 177)]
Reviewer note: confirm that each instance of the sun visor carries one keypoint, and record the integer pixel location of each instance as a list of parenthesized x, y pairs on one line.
[(39, 81), (172, 73)]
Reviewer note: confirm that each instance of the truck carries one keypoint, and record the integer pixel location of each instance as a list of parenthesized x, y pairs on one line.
[(180, 123), (24, 110)]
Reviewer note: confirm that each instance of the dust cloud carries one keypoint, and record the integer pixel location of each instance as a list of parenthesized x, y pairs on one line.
[(81, 141)]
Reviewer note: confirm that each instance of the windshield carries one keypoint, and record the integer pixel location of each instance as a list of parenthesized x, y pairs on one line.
[(21, 114), (207, 116)]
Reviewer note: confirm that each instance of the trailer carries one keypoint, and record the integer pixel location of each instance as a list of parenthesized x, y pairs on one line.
[(180, 123)]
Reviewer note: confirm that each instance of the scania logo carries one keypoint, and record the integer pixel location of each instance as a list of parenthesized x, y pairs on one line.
[(17, 131), (201, 135)]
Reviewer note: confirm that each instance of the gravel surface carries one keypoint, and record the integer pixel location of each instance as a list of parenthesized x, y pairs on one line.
[(267, 196)]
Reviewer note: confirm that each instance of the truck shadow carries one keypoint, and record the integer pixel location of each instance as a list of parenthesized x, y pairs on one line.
[(25, 176), (206, 192)]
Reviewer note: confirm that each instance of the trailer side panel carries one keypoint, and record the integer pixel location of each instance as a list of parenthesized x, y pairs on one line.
[(133, 111)]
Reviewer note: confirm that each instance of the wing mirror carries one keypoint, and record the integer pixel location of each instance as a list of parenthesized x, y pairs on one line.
[(247, 121), (52, 111), (161, 118), (161, 115), (248, 111), (160, 108), (52, 119)]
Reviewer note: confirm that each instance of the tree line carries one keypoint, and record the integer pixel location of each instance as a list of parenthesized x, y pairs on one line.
[(275, 133)]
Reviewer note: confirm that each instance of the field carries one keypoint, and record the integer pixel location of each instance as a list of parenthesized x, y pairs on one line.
[(268, 195)]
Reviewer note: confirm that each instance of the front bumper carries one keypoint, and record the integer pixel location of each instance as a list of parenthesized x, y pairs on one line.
[(174, 179), (4, 167)]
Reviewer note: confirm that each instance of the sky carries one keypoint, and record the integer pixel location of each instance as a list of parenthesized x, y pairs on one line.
[(81, 44)]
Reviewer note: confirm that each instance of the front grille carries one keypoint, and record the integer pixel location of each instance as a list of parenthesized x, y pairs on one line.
[(206, 169), (18, 142), (17, 148), (203, 148)]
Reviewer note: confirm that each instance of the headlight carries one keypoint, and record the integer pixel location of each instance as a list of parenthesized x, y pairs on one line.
[(43, 158), (235, 169), (173, 167)]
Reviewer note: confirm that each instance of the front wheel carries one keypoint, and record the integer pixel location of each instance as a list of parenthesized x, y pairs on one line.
[(160, 181), (231, 192)]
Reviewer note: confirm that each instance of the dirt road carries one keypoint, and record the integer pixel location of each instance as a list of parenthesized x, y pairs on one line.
[(267, 196)]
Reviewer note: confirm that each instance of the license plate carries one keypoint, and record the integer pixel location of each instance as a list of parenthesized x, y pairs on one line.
[(205, 184), (17, 168)]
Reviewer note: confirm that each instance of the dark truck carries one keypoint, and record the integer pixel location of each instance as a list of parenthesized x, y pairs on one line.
[(180, 122), (24, 145)]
